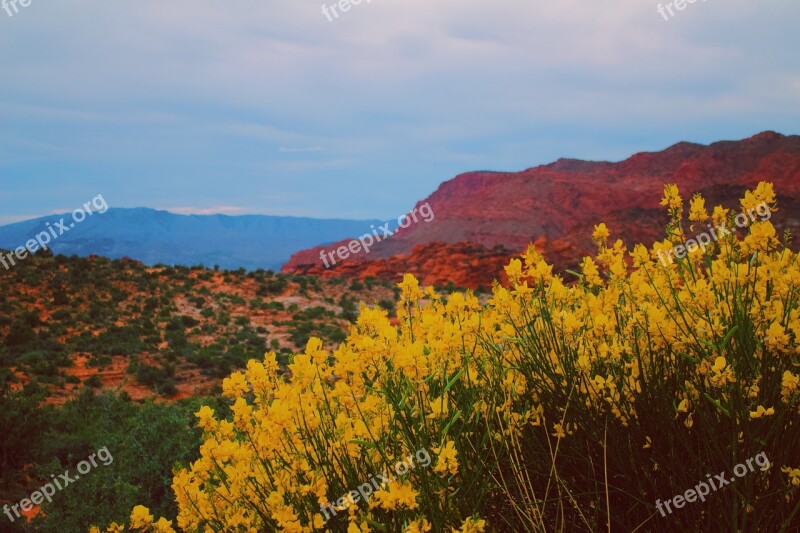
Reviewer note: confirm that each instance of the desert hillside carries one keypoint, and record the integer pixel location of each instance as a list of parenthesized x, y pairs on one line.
[(66, 323), (483, 218)]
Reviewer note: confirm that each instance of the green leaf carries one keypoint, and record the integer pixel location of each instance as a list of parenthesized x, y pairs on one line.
[(453, 381), (402, 401), (728, 337), (364, 443), (449, 424), (709, 344), (376, 391), (376, 525), (717, 404)]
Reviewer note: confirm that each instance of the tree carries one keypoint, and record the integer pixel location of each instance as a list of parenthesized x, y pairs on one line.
[(22, 426)]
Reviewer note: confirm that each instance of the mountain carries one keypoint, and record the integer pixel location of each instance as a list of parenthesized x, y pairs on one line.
[(479, 216), (160, 237)]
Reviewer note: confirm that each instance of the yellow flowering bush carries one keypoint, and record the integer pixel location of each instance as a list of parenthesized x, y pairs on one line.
[(556, 404)]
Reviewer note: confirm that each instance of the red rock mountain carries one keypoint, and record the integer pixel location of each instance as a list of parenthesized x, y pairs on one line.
[(484, 218)]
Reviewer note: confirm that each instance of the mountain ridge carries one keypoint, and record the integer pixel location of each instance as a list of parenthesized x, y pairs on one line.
[(160, 237), (557, 204)]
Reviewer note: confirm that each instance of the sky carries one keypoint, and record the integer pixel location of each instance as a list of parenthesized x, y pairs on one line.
[(269, 107)]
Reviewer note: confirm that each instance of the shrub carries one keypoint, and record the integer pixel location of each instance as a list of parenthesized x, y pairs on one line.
[(162, 379), (146, 441), (386, 305), (272, 287), (552, 407)]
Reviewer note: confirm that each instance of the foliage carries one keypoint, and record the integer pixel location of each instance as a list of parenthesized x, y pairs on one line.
[(145, 441), (551, 407), (22, 426)]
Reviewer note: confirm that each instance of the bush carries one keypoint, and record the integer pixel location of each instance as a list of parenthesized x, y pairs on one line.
[(386, 305), (550, 408), (23, 425), (162, 379), (19, 334), (272, 287), (145, 443)]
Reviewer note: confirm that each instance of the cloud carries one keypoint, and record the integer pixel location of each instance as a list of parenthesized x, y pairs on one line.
[(11, 219), (205, 102)]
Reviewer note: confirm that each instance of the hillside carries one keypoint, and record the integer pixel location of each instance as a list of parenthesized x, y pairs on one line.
[(556, 206), (66, 323)]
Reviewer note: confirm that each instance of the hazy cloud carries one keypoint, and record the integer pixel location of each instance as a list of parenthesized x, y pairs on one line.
[(204, 101)]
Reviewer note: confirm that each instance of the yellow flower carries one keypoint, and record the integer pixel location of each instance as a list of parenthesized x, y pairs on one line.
[(764, 194), (163, 526), (776, 336), (206, 417), (697, 209), (410, 291), (793, 475), (762, 237), (397, 495), (684, 406), (472, 525), (722, 373), (590, 272), (514, 270), (405, 495), (790, 385), (760, 411), (235, 385), (672, 197), (440, 406), (448, 459), (600, 233), (141, 517), (720, 216), (418, 526)]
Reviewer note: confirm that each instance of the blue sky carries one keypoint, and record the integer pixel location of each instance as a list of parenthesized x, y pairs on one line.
[(262, 106)]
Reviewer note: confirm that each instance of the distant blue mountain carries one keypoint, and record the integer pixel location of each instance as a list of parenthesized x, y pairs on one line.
[(153, 237)]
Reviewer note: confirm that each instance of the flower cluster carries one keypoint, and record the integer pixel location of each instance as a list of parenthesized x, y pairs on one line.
[(655, 358)]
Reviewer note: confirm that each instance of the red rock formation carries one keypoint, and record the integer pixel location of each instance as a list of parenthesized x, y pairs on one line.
[(464, 264), (558, 204)]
